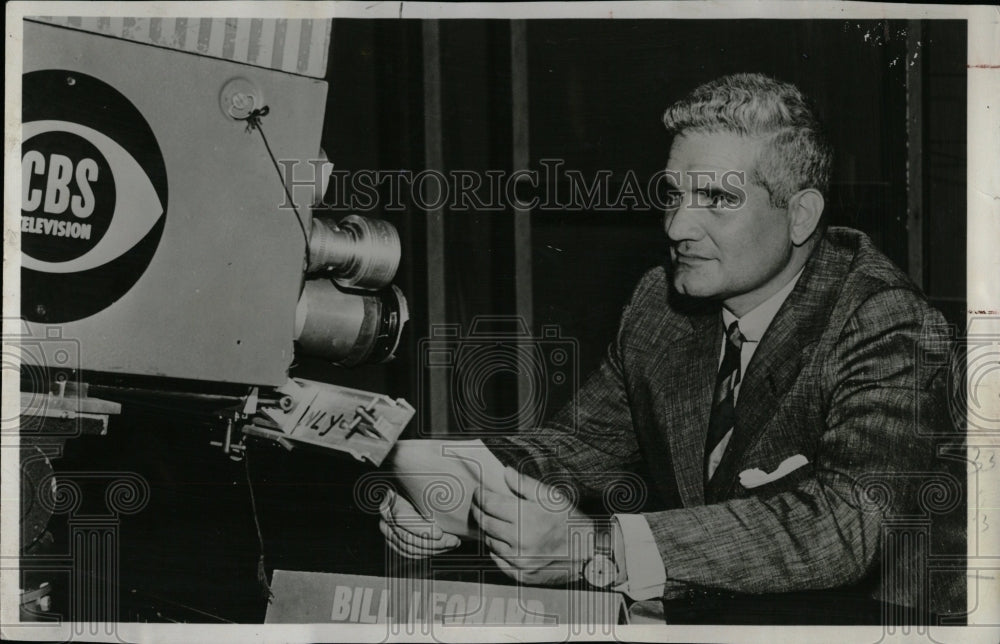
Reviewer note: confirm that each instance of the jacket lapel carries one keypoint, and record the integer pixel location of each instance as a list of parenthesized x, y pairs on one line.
[(685, 369), (779, 359)]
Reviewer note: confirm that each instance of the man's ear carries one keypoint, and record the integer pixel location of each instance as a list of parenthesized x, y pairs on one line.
[(805, 208)]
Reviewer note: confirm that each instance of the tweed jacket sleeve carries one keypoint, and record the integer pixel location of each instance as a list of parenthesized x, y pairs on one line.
[(589, 443)]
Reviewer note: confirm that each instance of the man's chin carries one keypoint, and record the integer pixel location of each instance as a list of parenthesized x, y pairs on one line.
[(689, 286)]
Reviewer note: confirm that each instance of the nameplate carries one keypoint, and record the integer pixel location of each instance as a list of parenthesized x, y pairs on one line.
[(328, 598)]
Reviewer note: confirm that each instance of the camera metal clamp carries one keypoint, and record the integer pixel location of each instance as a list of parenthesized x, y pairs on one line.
[(364, 424)]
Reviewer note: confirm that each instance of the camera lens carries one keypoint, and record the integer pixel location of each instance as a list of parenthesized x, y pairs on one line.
[(349, 328), (357, 253)]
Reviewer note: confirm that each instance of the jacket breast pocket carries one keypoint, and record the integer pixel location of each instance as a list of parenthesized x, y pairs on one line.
[(784, 476)]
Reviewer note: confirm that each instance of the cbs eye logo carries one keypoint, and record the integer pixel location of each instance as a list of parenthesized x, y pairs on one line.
[(93, 199)]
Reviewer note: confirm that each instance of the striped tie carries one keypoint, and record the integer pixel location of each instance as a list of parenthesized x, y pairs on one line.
[(723, 404)]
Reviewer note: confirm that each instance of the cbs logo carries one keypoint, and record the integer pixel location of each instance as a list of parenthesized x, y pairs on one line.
[(93, 198)]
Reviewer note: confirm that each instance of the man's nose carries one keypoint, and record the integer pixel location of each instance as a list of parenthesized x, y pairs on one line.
[(682, 224)]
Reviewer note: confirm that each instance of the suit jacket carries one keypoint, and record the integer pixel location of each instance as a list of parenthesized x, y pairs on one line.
[(837, 378)]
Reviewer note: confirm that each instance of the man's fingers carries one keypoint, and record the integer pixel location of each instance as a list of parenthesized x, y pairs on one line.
[(533, 575), (415, 548), (527, 487), (402, 553), (497, 546), (497, 505), (532, 490), (398, 512), (525, 565), (394, 545), (516, 482), (399, 546), (522, 570), (505, 567), (387, 501), (488, 524), (419, 530), (447, 541)]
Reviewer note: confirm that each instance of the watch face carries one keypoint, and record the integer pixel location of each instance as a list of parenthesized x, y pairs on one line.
[(600, 571)]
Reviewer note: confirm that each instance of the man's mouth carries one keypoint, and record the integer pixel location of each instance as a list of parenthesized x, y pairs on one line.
[(689, 258)]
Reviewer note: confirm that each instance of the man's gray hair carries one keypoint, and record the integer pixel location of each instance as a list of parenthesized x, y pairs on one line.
[(796, 154)]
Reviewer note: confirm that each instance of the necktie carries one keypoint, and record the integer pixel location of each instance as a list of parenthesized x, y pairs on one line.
[(723, 416)]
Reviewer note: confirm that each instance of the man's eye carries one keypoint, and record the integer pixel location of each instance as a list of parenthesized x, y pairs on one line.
[(674, 199), (724, 200)]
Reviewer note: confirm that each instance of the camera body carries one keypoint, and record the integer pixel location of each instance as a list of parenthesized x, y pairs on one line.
[(160, 264), (178, 252)]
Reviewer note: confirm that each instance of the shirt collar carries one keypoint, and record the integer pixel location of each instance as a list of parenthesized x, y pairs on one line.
[(754, 323)]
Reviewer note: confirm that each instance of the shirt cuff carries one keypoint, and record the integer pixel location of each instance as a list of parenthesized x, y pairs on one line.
[(643, 565)]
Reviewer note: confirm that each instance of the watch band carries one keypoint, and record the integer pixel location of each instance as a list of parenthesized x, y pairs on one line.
[(601, 569)]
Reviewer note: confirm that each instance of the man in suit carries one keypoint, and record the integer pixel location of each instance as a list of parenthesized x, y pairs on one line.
[(764, 389)]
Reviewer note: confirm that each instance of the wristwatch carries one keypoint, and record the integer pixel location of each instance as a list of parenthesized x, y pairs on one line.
[(601, 570)]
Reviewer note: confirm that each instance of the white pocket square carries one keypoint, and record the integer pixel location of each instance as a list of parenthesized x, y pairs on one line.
[(757, 477)]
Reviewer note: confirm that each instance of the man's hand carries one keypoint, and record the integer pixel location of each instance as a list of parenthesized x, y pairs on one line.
[(531, 542), (408, 533)]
